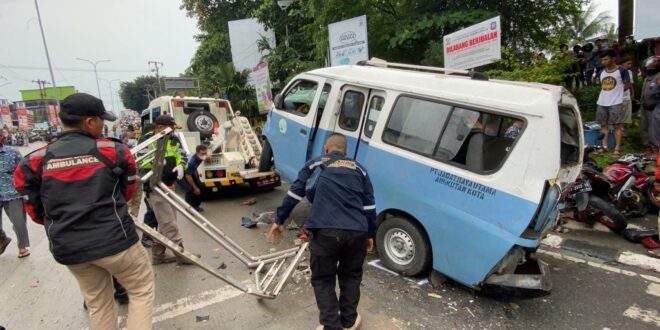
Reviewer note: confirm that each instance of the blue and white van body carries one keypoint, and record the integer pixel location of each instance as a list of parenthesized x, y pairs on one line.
[(473, 204)]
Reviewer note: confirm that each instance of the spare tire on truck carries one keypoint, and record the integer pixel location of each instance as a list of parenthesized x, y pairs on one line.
[(202, 121)]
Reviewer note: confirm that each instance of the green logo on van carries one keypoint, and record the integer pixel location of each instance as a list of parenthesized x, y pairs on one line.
[(282, 126)]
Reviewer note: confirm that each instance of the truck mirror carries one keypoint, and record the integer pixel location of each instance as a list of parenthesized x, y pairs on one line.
[(279, 102)]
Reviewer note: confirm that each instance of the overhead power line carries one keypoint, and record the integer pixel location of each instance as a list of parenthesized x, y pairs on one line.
[(27, 67)]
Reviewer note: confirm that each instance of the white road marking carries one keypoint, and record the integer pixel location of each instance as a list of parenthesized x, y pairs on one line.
[(653, 289), (648, 316), (604, 267), (639, 260)]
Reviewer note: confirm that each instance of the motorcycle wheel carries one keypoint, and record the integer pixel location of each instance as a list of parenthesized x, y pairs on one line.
[(653, 197), (608, 215)]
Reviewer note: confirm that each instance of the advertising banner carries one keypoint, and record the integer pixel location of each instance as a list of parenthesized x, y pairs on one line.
[(22, 116), (52, 115), (263, 86), (6, 118), (477, 45), (348, 41), (30, 119)]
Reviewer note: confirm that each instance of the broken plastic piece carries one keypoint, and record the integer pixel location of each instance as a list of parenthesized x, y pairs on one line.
[(247, 222), (202, 318), (250, 201)]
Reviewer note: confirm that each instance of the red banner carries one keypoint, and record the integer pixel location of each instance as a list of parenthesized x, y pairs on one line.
[(21, 114), (6, 119), (52, 115)]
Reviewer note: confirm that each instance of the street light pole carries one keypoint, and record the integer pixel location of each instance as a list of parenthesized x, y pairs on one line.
[(112, 96), (96, 74), (43, 38), (284, 4)]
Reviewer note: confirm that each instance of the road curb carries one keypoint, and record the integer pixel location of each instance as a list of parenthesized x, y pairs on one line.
[(605, 254)]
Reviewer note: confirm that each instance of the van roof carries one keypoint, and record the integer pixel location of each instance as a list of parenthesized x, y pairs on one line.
[(512, 95)]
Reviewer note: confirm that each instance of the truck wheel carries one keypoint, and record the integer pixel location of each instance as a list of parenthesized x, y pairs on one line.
[(403, 247), (266, 159), (203, 122)]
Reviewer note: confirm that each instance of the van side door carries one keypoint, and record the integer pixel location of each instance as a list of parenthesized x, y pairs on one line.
[(291, 127), (349, 115), (370, 119)]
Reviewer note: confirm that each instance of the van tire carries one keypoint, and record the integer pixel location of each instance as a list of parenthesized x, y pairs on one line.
[(266, 159), (403, 246), (199, 121)]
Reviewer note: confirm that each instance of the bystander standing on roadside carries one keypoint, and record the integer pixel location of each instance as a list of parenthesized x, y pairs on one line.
[(192, 182), (614, 81), (650, 103), (342, 222), (77, 187), (629, 94), (11, 202)]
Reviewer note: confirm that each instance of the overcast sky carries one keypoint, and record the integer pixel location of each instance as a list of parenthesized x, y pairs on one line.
[(128, 32)]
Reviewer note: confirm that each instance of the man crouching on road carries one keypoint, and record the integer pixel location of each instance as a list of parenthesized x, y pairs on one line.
[(342, 221), (77, 187)]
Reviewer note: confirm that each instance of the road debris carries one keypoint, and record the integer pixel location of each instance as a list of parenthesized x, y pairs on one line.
[(514, 306), (297, 242), (222, 266), (292, 225), (250, 201), (265, 217), (247, 222), (435, 295), (202, 318)]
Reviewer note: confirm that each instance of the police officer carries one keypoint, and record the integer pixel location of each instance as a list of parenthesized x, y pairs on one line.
[(175, 163), (78, 187), (342, 222)]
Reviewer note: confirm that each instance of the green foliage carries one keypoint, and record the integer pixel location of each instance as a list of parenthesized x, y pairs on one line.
[(133, 94), (584, 25), (528, 67)]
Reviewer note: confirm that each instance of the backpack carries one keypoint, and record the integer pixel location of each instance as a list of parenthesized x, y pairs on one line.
[(650, 92), (312, 181)]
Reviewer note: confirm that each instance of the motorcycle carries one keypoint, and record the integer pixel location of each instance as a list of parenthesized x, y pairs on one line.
[(585, 196), (631, 188)]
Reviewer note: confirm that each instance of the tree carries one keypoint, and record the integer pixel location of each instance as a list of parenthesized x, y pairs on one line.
[(134, 93), (584, 25)]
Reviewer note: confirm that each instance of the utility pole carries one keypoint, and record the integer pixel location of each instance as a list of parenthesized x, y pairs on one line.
[(43, 38), (42, 85), (626, 13), (155, 69), (112, 97)]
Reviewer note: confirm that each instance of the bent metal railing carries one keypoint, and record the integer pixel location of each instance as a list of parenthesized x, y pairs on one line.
[(276, 274)]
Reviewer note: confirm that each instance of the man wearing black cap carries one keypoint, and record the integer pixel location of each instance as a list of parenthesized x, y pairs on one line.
[(77, 187), (175, 163)]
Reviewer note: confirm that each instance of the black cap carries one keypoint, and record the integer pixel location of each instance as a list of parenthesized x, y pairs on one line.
[(165, 120), (81, 105)]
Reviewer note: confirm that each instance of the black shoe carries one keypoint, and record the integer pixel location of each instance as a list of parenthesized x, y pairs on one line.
[(198, 208), (147, 241), (3, 244)]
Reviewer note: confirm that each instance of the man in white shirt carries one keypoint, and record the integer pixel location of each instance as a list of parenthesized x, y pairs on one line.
[(614, 81)]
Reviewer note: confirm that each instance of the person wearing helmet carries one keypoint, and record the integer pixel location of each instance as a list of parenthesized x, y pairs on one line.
[(651, 105)]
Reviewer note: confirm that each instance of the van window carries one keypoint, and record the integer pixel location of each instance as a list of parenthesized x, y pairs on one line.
[(351, 110), (476, 140), (298, 99), (416, 124), (375, 107), (155, 112), (570, 136)]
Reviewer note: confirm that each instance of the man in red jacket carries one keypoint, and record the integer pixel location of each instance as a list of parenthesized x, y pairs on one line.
[(77, 187)]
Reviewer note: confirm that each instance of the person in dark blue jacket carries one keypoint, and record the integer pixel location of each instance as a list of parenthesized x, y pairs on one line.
[(342, 221)]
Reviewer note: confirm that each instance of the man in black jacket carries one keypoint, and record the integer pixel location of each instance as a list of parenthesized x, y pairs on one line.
[(342, 221), (77, 187)]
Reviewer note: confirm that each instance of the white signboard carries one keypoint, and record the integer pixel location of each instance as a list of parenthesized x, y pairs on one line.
[(646, 19), (244, 35), (262, 86), (473, 46), (348, 41)]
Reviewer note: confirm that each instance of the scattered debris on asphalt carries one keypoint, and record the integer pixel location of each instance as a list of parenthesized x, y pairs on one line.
[(250, 201), (297, 242), (202, 318), (292, 225), (514, 306), (265, 217), (435, 295), (247, 222), (303, 235), (222, 266)]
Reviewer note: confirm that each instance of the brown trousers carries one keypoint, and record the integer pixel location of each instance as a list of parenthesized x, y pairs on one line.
[(132, 268), (135, 202), (167, 226)]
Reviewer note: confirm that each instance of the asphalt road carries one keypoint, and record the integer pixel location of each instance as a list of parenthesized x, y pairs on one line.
[(38, 293)]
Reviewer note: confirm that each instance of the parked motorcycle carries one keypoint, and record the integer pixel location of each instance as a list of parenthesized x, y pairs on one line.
[(589, 200)]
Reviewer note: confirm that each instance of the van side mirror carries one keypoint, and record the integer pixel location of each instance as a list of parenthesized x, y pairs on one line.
[(279, 102)]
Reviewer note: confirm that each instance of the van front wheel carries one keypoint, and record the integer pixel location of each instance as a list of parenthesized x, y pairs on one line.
[(403, 247), (266, 159)]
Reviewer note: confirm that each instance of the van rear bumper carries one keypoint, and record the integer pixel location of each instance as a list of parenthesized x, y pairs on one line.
[(520, 269)]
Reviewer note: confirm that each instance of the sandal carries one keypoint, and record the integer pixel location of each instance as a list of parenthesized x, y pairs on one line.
[(616, 153), (24, 254)]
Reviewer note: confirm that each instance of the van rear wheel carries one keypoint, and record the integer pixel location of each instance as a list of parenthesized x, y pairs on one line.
[(266, 159), (403, 247)]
